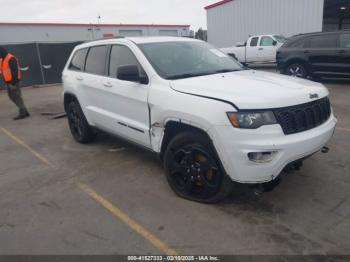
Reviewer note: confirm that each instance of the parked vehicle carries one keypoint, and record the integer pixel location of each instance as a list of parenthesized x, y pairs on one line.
[(257, 49), (211, 120), (316, 55)]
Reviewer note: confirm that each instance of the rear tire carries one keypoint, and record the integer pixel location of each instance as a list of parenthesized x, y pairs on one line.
[(193, 169), (296, 69), (79, 127)]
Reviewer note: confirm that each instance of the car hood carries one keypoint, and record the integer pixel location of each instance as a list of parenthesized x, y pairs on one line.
[(250, 89)]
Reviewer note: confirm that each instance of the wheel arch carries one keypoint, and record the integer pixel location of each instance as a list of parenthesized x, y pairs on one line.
[(173, 128), (67, 98)]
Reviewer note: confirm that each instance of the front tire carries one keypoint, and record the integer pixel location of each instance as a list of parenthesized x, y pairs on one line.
[(79, 127), (193, 169), (296, 69)]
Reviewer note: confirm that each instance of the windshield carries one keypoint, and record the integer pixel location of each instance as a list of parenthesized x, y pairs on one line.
[(280, 38), (176, 60)]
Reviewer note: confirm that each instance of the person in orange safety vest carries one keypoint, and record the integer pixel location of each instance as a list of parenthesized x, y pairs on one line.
[(11, 75)]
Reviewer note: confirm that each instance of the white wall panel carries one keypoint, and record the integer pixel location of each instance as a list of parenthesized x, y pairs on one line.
[(234, 21)]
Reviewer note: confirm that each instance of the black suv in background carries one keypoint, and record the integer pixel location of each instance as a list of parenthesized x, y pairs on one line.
[(316, 55)]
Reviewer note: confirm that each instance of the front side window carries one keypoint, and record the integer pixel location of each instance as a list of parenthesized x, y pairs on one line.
[(121, 56), (266, 41), (298, 43), (344, 40), (96, 60), (78, 60), (254, 41), (182, 59), (324, 41)]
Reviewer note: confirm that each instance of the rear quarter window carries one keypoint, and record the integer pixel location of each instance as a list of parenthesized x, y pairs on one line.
[(78, 61)]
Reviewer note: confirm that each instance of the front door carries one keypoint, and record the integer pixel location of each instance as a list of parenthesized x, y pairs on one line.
[(343, 55), (127, 102), (321, 53), (267, 49)]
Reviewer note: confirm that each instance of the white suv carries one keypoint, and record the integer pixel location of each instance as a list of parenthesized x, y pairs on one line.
[(211, 120)]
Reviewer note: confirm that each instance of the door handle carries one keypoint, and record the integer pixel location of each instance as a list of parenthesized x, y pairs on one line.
[(260, 49), (80, 78), (307, 52), (107, 84), (341, 52)]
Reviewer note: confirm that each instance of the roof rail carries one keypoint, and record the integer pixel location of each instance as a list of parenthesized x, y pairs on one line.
[(100, 39), (322, 32)]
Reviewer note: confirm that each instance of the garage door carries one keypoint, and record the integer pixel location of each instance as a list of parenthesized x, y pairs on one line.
[(130, 32), (168, 33)]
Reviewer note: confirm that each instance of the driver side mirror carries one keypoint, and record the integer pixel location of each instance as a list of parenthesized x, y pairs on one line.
[(274, 43), (131, 73)]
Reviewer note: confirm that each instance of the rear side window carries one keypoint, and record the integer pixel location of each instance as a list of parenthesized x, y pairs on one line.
[(323, 41), (78, 60), (121, 56), (254, 41), (96, 60), (344, 41)]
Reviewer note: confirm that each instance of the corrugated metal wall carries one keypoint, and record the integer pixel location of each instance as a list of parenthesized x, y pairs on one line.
[(234, 21)]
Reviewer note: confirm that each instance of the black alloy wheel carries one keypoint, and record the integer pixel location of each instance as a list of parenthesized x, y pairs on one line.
[(296, 70), (194, 172), (78, 124)]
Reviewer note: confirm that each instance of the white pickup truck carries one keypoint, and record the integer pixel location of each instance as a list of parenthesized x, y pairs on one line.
[(211, 120), (257, 49)]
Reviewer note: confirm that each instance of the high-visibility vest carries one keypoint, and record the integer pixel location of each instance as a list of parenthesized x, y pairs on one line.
[(6, 69)]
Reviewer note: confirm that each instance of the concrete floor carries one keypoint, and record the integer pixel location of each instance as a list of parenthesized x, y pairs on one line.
[(43, 210)]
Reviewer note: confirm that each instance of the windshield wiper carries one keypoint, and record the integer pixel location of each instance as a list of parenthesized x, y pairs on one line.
[(185, 76), (226, 71), (188, 75)]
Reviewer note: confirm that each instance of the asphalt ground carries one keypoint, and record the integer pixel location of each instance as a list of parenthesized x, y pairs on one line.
[(111, 197)]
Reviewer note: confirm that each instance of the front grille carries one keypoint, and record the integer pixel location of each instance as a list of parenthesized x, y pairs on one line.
[(296, 119)]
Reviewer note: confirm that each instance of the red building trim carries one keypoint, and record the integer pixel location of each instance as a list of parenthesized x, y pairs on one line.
[(108, 35), (217, 4), (89, 25)]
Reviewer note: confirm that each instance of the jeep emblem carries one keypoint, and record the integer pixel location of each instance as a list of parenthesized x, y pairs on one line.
[(313, 96)]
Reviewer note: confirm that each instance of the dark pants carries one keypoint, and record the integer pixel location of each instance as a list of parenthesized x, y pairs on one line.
[(15, 95)]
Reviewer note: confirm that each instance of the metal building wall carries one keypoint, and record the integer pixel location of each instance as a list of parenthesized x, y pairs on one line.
[(12, 33), (234, 21)]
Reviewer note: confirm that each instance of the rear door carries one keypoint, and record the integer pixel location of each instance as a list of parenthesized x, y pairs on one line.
[(252, 50), (74, 75), (92, 85), (343, 54), (267, 49), (127, 102), (321, 53)]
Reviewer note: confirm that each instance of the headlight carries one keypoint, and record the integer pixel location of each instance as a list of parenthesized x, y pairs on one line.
[(251, 120)]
